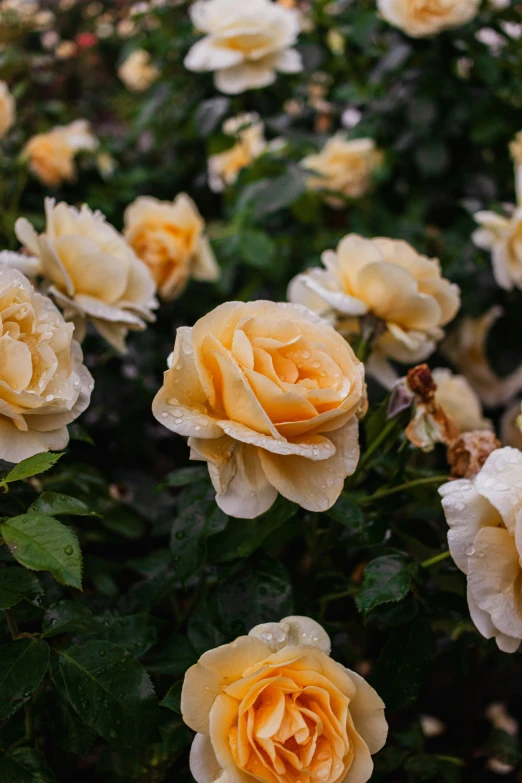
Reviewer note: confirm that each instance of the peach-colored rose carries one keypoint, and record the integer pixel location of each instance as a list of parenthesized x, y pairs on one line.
[(459, 401), (268, 394), (92, 272), (224, 167), (273, 707), (343, 166), (51, 155), (7, 109), (169, 237), (423, 18), (485, 540), (43, 383), (388, 279), (137, 72)]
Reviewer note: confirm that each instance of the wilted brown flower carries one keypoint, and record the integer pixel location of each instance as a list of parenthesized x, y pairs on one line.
[(469, 451)]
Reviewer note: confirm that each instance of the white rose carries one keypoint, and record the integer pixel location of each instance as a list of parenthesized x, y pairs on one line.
[(93, 273), (244, 44), (485, 540)]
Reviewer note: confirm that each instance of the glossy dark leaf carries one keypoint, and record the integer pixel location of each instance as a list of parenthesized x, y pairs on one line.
[(403, 664), (386, 579), (111, 692), (16, 584), (53, 503), (24, 663)]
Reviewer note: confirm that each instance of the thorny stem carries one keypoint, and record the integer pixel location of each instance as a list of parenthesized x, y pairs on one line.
[(437, 559)]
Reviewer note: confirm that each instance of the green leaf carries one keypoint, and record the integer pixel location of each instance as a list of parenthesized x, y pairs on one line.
[(198, 518), (136, 633), (17, 583), (52, 503), (41, 543), (256, 248), (24, 663), (183, 476), (280, 192), (25, 765), (240, 540), (32, 466), (68, 617), (111, 692), (71, 734), (172, 657), (402, 665), (172, 699), (209, 113), (347, 513), (257, 591), (386, 579)]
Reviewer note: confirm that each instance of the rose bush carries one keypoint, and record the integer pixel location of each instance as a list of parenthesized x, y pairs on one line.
[(172, 172)]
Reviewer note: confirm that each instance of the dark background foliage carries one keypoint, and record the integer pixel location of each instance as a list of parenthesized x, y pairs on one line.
[(91, 689)]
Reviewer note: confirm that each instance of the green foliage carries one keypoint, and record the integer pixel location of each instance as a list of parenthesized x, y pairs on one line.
[(111, 692), (24, 663), (41, 543)]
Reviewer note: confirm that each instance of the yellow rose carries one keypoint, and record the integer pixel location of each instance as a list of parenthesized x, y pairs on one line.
[(245, 45), (51, 155), (345, 166), (169, 237), (422, 18), (43, 383), (137, 72), (485, 541), (7, 109), (273, 707), (459, 401), (224, 167), (92, 272), (390, 280), (268, 394)]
